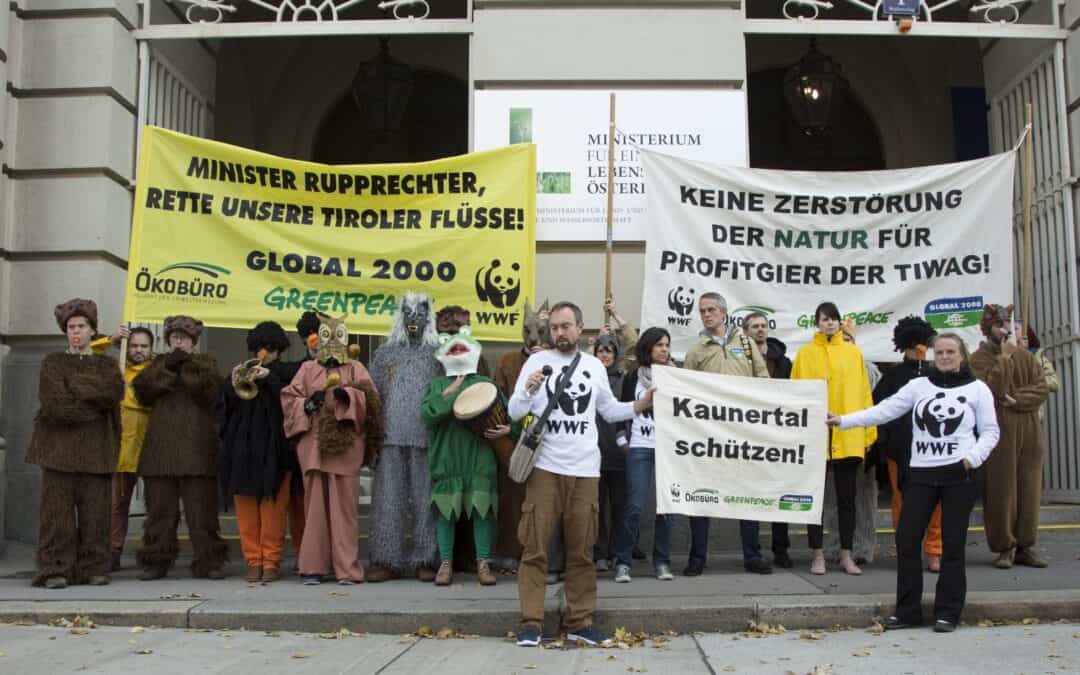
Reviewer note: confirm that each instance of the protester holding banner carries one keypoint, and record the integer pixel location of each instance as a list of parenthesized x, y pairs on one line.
[(75, 441), (756, 327), (134, 417), (255, 462), (866, 488), (724, 349), (828, 357), (911, 336), (178, 457), (1014, 475), (653, 348), (562, 488), (955, 431)]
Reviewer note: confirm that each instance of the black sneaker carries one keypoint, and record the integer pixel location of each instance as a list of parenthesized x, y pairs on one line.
[(311, 579), (944, 626), (589, 636), (782, 559), (757, 566), (528, 637), (896, 623), (694, 568)]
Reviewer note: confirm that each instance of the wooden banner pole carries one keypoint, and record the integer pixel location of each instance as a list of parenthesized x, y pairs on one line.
[(1028, 179), (610, 200)]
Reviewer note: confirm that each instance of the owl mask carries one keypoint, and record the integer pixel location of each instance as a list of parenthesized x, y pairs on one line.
[(333, 341), (459, 353)]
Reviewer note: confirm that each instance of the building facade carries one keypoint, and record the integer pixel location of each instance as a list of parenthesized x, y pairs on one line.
[(83, 76)]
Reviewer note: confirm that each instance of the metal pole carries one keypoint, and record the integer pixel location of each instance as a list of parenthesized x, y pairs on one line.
[(1028, 178), (610, 199)]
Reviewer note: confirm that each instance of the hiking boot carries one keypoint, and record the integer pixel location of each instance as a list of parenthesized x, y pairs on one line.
[(98, 580), (152, 572), (1028, 558), (254, 574), (445, 575), (56, 583), (425, 574), (483, 573), (1004, 561), (378, 573), (270, 574)]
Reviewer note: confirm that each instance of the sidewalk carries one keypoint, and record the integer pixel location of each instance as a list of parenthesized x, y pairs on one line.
[(724, 599)]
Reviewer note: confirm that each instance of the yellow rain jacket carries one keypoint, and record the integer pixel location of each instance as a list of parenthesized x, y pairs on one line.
[(133, 415), (841, 366)]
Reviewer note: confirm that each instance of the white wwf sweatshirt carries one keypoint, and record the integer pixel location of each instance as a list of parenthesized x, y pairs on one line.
[(569, 443), (949, 423)]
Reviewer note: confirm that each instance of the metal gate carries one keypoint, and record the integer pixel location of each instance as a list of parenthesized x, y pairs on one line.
[(1055, 307)]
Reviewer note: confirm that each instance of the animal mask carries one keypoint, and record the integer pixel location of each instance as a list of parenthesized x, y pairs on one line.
[(414, 322), (332, 347), (459, 353), (450, 319), (993, 314), (536, 332)]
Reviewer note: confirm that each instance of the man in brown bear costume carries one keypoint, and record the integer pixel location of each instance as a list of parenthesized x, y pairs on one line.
[(1014, 470), (75, 441), (179, 454)]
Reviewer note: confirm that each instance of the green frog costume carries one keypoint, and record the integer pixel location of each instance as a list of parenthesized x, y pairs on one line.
[(463, 466)]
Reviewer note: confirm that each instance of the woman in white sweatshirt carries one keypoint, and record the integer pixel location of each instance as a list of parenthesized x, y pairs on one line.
[(954, 430)]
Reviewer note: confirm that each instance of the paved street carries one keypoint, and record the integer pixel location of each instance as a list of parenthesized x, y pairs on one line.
[(1051, 648)]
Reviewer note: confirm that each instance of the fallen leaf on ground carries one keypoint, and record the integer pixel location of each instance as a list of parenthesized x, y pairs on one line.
[(875, 629), (138, 629), (757, 630), (79, 631), (144, 651), (807, 635), (862, 653), (1030, 621), (298, 655)]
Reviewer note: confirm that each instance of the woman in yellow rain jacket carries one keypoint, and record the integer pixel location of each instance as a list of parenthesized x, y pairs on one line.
[(827, 357)]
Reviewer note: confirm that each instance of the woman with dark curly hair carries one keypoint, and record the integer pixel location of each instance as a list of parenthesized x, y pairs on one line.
[(653, 348)]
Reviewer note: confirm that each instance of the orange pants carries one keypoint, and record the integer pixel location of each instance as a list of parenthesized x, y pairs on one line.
[(932, 542), (262, 527)]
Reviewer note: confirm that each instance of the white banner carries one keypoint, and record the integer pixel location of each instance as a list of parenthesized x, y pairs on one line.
[(739, 447), (570, 130), (935, 241)]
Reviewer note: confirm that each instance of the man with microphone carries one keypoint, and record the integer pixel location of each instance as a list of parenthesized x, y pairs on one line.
[(563, 486)]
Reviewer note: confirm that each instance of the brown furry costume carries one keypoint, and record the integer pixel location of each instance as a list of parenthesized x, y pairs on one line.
[(178, 461), (75, 442), (1013, 486)]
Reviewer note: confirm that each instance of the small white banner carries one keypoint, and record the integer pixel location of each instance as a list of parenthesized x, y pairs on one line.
[(935, 242), (739, 447)]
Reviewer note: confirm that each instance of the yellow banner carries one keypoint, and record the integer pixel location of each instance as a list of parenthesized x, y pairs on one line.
[(234, 237)]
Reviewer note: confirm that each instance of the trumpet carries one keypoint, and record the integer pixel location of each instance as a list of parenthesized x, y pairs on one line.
[(243, 377)]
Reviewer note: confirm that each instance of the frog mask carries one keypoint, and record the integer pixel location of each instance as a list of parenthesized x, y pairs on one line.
[(460, 353)]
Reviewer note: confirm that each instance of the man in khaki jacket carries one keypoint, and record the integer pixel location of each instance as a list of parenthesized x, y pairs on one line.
[(726, 350)]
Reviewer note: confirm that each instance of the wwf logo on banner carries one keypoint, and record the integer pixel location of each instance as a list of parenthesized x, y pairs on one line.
[(676, 492), (681, 300), (499, 285)]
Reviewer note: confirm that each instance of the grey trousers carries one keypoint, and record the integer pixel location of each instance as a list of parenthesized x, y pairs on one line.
[(402, 489), (866, 499)]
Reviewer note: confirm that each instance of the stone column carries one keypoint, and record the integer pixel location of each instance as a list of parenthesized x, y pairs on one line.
[(68, 154)]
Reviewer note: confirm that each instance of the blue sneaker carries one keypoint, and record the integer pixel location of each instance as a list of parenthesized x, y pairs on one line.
[(590, 636), (311, 579), (528, 637)]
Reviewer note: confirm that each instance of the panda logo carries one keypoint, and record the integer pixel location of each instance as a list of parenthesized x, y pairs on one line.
[(574, 400), (499, 285), (681, 300), (940, 415), (676, 492)]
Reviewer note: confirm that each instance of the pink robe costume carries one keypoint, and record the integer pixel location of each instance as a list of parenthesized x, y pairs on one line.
[(331, 486)]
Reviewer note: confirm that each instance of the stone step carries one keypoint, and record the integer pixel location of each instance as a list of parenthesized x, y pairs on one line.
[(1056, 519)]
